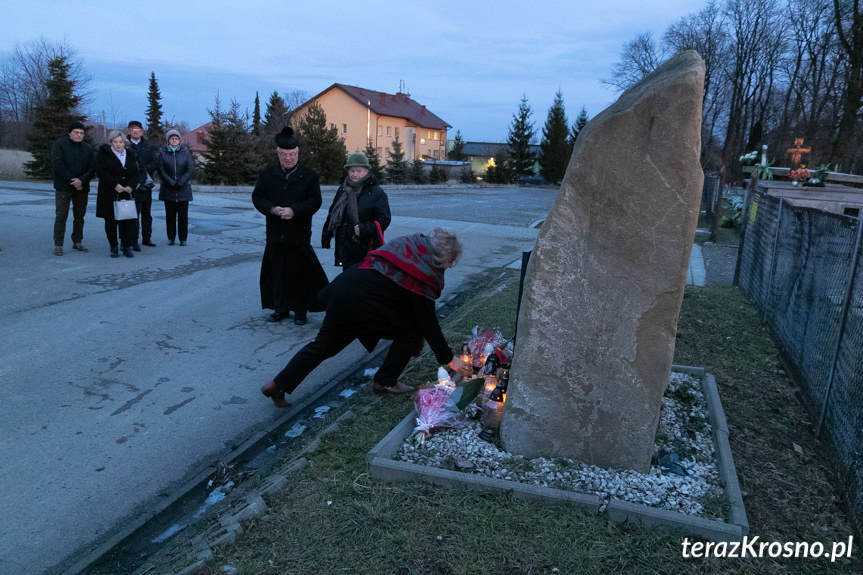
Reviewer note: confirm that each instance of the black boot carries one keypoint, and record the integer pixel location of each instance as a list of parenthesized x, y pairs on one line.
[(115, 252), (127, 251)]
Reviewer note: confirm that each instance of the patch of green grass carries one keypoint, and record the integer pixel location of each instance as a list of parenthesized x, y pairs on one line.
[(335, 519)]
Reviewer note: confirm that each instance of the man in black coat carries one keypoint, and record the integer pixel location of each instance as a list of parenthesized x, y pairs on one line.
[(289, 194), (74, 166), (144, 191)]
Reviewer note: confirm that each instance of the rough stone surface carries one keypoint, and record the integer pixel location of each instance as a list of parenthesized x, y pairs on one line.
[(605, 282)]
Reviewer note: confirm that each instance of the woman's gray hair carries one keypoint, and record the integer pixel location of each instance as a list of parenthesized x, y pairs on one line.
[(113, 134), (447, 248)]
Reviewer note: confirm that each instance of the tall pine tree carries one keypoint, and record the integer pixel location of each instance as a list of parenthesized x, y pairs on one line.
[(578, 126), (256, 117), (521, 158), (397, 167), (321, 147), (374, 161), (53, 116), (230, 156), (457, 152), (276, 115), (554, 148), (155, 128)]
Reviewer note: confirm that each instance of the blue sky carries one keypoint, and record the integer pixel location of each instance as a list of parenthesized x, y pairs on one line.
[(469, 62)]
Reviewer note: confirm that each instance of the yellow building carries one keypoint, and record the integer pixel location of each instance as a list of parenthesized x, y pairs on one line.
[(361, 115)]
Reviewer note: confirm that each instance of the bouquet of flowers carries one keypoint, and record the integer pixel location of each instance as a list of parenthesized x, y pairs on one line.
[(439, 406), (800, 174), (433, 411)]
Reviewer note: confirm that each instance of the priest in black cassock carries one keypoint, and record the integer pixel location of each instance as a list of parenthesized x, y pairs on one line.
[(289, 194)]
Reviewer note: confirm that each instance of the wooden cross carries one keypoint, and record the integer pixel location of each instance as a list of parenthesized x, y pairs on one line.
[(797, 151)]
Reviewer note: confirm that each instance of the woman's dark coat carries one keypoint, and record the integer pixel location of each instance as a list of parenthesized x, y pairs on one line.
[(373, 209), (367, 303), (111, 172), (176, 168), (300, 191)]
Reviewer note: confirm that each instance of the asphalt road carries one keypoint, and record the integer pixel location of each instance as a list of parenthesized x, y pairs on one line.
[(122, 378)]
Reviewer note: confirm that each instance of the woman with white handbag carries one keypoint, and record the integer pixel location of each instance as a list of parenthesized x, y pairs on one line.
[(119, 174)]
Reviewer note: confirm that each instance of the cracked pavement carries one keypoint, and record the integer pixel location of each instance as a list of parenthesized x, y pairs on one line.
[(122, 378)]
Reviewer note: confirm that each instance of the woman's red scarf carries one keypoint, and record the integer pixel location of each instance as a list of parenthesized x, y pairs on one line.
[(408, 261)]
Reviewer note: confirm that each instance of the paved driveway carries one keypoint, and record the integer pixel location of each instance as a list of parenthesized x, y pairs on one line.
[(122, 378)]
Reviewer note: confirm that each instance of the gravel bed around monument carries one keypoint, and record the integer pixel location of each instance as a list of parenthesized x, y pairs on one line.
[(682, 477)]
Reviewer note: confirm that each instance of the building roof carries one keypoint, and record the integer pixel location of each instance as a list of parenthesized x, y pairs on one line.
[(395, 105), (196, 139)]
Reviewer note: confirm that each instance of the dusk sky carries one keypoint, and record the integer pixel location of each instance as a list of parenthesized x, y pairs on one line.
[(468, 62)]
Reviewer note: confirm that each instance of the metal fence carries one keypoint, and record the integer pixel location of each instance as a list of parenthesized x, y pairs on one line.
[(803, 269)]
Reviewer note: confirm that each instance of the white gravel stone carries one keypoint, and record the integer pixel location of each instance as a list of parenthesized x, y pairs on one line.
[(683, 429)]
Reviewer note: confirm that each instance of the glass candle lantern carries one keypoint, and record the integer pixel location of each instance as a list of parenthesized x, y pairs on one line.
[(492, 413)]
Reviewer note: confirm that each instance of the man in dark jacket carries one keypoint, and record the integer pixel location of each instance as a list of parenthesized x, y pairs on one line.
[(144, 192), (289, 194), (74, 166)]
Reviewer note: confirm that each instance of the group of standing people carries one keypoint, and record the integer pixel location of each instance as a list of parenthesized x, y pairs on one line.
[(289, 194), (125, 169), (386, 291)]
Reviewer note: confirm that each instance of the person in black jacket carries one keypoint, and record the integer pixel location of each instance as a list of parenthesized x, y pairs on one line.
[(289, 194), (176, 168), (359, 215), (144, 192), (390, 295), (74, 167), (119, 174)]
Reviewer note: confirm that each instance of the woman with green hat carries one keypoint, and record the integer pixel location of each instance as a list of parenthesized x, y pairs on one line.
[(359, 215)]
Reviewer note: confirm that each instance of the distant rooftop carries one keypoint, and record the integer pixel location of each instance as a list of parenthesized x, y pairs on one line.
[(397, 105)]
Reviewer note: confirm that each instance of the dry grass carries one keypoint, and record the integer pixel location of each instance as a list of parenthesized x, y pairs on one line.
[(335, 519)]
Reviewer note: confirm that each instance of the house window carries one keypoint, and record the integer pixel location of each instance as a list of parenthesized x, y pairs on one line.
[(435, 154), (380, 152), (422, 141), (344, 128), (388, 130), (853, 212), (380, 130), (437, 135)]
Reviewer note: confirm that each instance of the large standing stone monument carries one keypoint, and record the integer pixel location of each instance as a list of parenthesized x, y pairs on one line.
[(605, 281)]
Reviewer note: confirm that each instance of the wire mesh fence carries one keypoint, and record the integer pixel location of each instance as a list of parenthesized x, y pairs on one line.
[(803, 270)]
